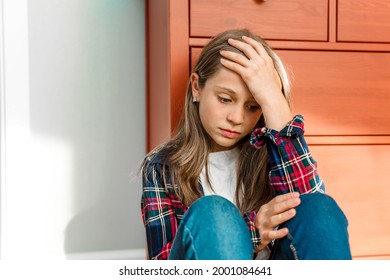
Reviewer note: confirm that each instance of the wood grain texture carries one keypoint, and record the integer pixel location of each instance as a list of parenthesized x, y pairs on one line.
[(167, 67), (311, 45), (341, 93), (285, 20), (357, 178), (158, 114), (363, 20)]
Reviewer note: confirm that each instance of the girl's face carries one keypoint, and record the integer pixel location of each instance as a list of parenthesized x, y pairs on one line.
[(227, 109)]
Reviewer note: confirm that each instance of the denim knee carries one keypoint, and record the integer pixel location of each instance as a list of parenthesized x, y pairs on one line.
[(213, 210), (213, 203), (212, 228), (321, 209), (319, 229)]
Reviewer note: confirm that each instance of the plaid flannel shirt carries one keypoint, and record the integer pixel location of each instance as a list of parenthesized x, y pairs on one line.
[(292, 169)]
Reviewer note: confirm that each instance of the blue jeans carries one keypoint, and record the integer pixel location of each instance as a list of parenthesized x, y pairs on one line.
[(213, 229)]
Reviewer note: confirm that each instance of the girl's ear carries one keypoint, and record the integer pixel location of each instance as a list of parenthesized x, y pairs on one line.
[(195, 86)]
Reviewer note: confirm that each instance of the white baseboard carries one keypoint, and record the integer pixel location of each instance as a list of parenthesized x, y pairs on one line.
[(130, 254)]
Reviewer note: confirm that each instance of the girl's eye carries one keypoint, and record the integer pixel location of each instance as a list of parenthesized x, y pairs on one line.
[(253, 108), (223, 99)]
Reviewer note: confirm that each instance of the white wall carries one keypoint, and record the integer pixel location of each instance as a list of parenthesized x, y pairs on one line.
[(71, 184)]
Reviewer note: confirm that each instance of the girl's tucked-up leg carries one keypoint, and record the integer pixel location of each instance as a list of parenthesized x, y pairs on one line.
[(212, 229), (317, 232)]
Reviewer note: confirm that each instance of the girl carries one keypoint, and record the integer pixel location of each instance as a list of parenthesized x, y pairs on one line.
[(237, 177)]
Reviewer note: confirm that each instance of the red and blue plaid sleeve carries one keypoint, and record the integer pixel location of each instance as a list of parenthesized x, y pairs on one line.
[(249, 218), (293, 168), (158, 214)]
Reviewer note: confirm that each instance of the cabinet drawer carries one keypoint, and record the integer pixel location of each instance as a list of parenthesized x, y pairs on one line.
[(339, 93), (363, 21), (357, 177), (276, 19)]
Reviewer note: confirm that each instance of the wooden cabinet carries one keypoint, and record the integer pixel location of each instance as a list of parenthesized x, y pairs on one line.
[(338, 53)]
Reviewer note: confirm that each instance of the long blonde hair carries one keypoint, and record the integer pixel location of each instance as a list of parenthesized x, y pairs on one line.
[(187, 151)]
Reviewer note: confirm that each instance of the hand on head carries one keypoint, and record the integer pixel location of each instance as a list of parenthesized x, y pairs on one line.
[(256, 68)]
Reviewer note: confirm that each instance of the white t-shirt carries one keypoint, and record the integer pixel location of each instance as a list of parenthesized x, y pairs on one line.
[(222, 172)]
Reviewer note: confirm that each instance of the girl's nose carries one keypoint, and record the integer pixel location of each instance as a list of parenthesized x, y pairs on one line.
[(236, 115)]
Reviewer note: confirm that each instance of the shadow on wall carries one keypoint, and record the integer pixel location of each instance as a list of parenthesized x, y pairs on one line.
[(94, 229)]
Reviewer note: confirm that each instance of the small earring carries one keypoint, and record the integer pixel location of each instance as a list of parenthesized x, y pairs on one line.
[(194, 100)]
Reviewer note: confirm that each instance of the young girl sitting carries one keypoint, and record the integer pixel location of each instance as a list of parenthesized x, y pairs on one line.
[(237, 177)]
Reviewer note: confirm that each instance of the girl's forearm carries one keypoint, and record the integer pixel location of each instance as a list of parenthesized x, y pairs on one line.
[(276, 111)]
